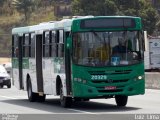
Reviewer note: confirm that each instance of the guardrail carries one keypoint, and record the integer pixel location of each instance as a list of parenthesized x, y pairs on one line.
[(152, 80)]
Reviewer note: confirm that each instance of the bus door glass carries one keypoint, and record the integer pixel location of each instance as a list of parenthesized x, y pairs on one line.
[(47, 63), (15, 62)]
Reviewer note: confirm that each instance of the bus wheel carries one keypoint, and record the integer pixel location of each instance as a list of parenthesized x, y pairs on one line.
[(41, 98), (32, 97), (81, 99), (121, 100), (77, 99), (65, 101), (86, 99)]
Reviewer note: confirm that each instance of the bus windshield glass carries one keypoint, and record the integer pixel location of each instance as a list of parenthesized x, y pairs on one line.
[(118, 48)]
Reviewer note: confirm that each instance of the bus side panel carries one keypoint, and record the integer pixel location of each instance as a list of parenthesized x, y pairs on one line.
[(29, 68), (25, 71), (32, 74), (59, 70), (54, 76), (47, 76)]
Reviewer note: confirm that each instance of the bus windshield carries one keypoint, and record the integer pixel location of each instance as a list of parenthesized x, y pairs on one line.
[(118, 48)]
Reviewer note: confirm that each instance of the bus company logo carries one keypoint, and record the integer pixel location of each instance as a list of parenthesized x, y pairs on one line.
[(110, 81)]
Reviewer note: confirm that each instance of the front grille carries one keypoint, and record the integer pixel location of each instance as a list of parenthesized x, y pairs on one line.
[(109, 81), (114, 72), (97, 72), (121, 72)]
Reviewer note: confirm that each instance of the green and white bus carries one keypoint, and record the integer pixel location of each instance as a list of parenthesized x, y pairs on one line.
[(80, 59)]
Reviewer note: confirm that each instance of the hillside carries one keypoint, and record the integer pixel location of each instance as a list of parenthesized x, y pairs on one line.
[(18, 13), (15, 19)]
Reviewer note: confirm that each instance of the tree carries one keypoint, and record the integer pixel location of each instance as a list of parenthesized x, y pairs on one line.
[(25, 7), (1, 2), (141, 8), (43, 3), (93, 7)]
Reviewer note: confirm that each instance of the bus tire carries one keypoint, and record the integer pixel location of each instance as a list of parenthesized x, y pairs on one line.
[(77, 99), (41, 98), (121, 100), (64, 101), (86, 99), (32, 97), (81, 99)]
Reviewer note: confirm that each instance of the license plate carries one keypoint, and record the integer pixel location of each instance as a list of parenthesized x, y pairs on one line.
[(110, 88)]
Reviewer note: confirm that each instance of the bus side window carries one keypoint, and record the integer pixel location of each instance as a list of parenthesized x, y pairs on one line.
[(26, 45), (61, 44), (54, 47), (32, 44), (46, 44)]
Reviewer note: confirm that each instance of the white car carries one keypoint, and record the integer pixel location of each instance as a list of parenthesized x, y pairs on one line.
[(4, 77)]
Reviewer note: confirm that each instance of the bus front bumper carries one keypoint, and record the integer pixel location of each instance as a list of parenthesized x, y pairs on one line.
[(86, 91)]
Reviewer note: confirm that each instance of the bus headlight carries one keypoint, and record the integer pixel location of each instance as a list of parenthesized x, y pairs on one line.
[(140, 77)]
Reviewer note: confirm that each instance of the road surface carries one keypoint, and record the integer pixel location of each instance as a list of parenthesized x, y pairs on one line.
[(13, 101)]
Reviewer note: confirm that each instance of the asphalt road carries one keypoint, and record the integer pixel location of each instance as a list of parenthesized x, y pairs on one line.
[(13, 101)]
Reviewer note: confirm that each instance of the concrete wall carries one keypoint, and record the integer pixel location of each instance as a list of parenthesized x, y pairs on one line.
[(4, 60), (152, 80)]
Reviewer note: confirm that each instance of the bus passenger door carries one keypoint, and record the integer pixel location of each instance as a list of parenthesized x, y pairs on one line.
[(20, 55), (39, 63), (17, 61), (68, 64), (47, 64)]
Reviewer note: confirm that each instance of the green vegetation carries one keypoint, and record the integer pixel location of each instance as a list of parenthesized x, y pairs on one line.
[(24, 7), (16, 13), (140, 8)]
